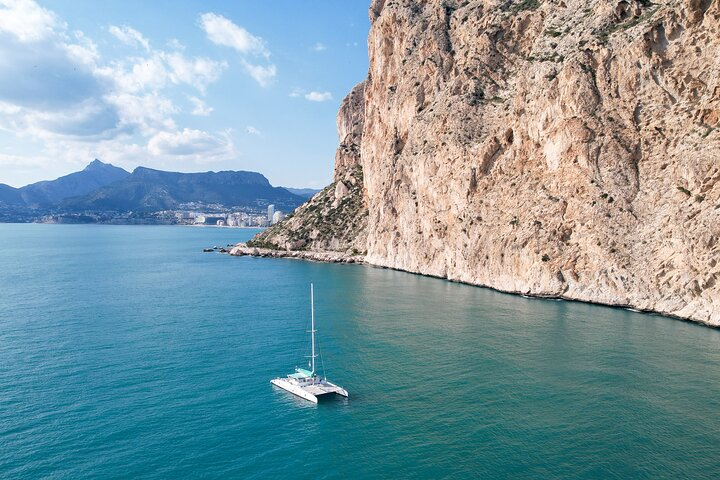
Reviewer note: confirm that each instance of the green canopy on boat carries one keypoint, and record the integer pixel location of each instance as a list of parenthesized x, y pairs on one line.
[(301, 373)]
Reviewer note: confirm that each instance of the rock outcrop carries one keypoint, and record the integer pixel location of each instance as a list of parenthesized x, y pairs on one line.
[(333, 221), (243, 249), (558, 148)]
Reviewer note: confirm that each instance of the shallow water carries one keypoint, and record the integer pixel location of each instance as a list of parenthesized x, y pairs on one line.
[(127, 352)]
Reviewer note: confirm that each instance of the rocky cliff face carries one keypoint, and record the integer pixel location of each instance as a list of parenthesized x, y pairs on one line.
[(561, 148), (335, 219)]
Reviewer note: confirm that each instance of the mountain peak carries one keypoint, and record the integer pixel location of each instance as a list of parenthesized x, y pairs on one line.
[(97, 164)]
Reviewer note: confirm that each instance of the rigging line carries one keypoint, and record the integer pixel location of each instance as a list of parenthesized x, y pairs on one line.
[(322, 362), (303, 346)]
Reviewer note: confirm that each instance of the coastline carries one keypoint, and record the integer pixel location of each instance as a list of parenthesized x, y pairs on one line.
[(218, 226), (241, 249)]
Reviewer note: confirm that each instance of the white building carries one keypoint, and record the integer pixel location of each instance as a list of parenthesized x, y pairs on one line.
[(271, 212), (277, 217)]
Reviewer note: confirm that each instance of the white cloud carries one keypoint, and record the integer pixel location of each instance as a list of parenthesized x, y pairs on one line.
[(48, 88), (85, 51), (197, 144), (145, 114), (23, 167), (48, 75), (175, 44), (7, 108), (198, 72), (262, 75), (200, 108), (253, 131), (319, 47), (89, 120), (136, 74), (296, 92), (27, 21), (222, 31), (129, 36), (20, 161), (121, 151), (57, 89), (318, 96), (154, 72)]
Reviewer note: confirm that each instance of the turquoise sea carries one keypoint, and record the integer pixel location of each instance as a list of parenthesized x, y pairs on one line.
[(127, 352)]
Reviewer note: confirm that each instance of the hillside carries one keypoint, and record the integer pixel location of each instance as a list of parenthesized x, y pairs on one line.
[(335, 219), (50, 192), (152, 190), (10, 195), (302, 192)]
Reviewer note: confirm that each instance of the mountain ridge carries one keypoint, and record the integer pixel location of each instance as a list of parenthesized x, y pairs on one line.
[(303, 192), (95, 175), (147, 189), (102, 187)]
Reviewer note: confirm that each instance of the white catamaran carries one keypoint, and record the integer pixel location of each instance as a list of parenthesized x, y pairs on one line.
[(304, 383)]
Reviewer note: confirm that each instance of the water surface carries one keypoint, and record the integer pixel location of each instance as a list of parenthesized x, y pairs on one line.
[(127, 352)]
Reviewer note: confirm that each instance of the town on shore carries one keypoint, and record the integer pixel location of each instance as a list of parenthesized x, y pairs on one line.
[(210, 215)]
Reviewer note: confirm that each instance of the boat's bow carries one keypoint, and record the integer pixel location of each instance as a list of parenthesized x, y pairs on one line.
[(301, 392)]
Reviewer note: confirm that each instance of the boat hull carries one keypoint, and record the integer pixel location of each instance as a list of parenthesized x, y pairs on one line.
[(336, 389), (310, 391), (294, 389)]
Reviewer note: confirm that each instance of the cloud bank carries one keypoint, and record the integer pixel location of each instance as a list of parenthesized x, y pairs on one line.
[(318, 96), (79, 105), (223, 32)]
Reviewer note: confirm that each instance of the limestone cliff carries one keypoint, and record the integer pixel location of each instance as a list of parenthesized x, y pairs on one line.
[(335, 219), (562, 148)]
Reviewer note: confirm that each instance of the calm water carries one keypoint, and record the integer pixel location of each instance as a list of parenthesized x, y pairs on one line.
[(127, 352)]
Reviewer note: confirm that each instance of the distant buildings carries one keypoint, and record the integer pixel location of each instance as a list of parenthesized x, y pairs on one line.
[(271, 212), (209, 220), (186, 216), (238, 219)]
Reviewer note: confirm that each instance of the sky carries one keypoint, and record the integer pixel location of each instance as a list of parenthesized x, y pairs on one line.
[(177, 85)]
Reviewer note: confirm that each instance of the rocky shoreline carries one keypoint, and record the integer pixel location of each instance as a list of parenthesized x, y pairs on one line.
[(241, 249), (576, 162)]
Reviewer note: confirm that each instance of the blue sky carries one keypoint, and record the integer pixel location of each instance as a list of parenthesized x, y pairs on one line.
[(177, 85)]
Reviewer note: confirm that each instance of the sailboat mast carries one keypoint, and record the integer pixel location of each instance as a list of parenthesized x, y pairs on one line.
[(312, 326)]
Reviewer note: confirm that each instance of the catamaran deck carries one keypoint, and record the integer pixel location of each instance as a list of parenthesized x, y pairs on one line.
[(307, 385), (323, 389)]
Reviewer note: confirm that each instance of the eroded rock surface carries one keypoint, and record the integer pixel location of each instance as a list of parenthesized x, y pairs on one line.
[(561, 148)]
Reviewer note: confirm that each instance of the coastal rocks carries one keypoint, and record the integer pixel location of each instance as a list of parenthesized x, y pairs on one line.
[(567, 149), (242, 249)]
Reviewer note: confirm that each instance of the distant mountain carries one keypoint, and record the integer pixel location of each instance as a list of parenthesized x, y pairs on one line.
[(50, 192), (104, 189), (10, 195), (153, 190), (303, 192)]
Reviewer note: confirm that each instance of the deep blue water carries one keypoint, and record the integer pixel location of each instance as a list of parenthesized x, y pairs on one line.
[(127, 352)]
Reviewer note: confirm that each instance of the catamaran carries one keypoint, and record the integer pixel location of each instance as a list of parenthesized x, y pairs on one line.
[(305, 383)]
